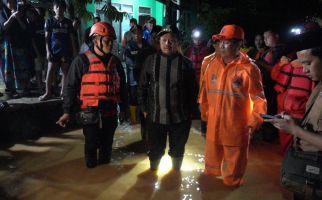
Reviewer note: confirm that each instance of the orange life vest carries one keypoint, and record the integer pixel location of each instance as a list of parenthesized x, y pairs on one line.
[(101, 82)]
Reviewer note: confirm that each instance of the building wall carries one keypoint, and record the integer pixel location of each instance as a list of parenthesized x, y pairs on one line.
[(156, 8)]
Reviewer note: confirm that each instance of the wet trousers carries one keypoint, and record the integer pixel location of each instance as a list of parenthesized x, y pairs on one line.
[(101, 139), (227, 161), (158, 133)]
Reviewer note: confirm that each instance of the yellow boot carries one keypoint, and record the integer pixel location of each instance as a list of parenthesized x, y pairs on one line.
[(133, 114)]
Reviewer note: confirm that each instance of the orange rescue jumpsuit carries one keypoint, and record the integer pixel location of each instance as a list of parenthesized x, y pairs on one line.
[(231, 99)]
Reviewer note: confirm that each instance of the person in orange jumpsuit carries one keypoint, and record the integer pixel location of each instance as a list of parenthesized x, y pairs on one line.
[(232, 92)]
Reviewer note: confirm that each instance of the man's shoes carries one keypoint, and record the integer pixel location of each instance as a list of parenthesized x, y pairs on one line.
[(91, 161), (104, 158)]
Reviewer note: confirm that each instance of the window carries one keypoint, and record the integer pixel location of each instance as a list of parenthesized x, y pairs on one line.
[(144, 11), (144, 15)]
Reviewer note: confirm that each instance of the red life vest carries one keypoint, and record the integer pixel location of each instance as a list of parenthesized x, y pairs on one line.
[(282, 75), (297, 93), (196, 54), (300, 85), (101, 82)]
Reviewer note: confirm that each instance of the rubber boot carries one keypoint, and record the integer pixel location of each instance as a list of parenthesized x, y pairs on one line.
[(154, 165), (133, 114), (176, 163)]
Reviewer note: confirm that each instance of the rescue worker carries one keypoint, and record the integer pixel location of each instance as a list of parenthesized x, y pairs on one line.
[(167, 95), (232, 91), (309, 134), (98, 78)]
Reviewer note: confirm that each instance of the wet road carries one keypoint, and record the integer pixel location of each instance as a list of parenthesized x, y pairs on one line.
[(52, 167)]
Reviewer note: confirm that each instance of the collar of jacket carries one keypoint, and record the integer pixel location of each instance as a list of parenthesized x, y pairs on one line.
[(104, 58), (172, 56)]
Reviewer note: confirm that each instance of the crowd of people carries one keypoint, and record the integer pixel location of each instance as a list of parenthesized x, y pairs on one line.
[(162, 85), (233, 85)]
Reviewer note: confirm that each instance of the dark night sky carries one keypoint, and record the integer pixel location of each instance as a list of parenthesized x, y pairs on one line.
[(259, 15)]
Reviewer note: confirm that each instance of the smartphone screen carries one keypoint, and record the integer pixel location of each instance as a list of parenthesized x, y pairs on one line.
[(265, 116)]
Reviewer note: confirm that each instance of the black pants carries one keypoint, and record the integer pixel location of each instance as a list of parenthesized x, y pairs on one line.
[(178, 136), (143, 122), (100, 138)]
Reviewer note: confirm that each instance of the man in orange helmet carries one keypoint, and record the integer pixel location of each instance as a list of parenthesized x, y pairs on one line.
[(233, 94), (98, 78)]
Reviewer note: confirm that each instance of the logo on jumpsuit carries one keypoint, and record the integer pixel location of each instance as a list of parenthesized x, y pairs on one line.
[(213, 78), (237, 82)]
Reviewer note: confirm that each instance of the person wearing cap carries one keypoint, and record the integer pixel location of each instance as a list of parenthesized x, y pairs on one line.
[(96, 81), (293, 89), (167, 95), (309, 133), (232, 92)]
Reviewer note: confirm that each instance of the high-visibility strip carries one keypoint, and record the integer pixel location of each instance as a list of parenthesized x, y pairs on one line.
[(214, 91)]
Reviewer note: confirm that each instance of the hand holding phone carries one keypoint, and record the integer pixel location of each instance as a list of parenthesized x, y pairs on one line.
[(265, 116)]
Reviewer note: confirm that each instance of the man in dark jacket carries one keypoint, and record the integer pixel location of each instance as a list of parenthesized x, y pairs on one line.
[(98, 78), (167, 95)]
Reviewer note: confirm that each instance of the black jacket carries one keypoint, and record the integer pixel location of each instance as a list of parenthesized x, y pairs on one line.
[(168, 88)]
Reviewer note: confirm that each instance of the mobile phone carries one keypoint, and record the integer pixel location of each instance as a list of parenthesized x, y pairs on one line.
[(265, 116)]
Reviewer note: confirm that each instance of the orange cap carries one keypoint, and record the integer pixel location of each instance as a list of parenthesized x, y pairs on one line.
[(229, 32)]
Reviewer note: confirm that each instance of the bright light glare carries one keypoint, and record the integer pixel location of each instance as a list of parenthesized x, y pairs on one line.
[(165, 165), (296, 31), (196, 34), (187, 165)]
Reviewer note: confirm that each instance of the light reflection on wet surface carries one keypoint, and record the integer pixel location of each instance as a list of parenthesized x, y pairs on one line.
[(60, 173)]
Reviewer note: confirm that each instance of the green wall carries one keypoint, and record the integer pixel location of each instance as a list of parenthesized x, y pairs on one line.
[(157, 8)]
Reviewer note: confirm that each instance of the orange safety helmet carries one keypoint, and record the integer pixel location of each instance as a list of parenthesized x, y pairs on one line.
[(103, 29)]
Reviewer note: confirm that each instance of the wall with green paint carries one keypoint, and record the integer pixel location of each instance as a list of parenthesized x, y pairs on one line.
[(157, 8)]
